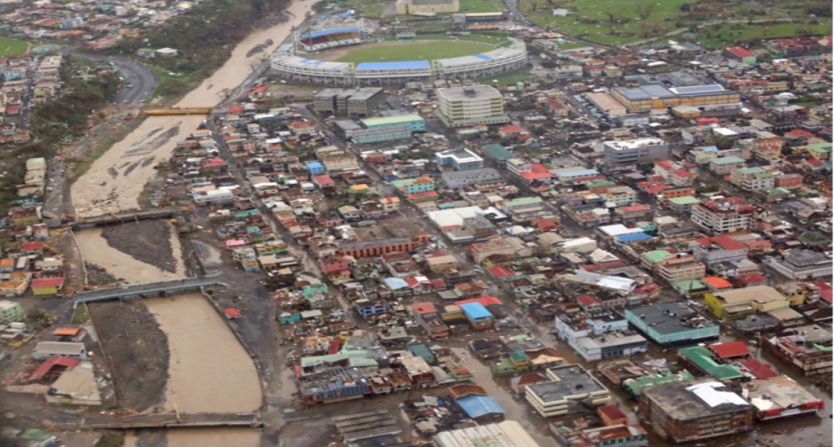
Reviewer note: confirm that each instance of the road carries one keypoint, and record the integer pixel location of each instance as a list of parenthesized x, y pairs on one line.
[(138, 81)]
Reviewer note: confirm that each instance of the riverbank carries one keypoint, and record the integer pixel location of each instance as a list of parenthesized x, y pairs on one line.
[(115, 181)]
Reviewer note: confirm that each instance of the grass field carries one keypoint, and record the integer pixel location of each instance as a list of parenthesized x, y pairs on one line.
[(12, 47), (723, 35), (415, 50), (609, 22), (481, 5)]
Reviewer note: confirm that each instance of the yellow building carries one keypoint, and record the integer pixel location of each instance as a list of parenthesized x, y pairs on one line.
[(656, 96), (737, 303)]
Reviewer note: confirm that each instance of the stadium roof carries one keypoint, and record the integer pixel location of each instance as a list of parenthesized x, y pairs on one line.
[(394, 66), (330, 32)]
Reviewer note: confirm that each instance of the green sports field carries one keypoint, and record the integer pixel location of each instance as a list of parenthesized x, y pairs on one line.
[(415, 50), (12, 47)]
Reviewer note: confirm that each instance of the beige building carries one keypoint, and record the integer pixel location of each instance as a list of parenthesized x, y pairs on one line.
[(427, 7), (471, 105)]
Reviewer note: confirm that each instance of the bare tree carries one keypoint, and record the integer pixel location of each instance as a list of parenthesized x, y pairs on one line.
[(644, 10)]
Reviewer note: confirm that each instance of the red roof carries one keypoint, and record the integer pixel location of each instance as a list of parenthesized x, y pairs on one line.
[(485, 301), (612, 412), (232, 313), (759, 370), (423, 195), (324, 180), (799, 133), (730, 350), (718, 283), (587, 301), (53, 362), (740, 53), (537, 171), (825, 291), (501, 272), (45, 283), (33, 246), (424, 308)]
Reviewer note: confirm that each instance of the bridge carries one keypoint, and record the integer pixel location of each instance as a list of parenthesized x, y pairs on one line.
[(148, 290), (118, 218), (167, 420), (176, 111)]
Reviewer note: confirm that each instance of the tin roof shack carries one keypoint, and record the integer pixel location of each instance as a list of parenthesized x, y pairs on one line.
[(671, 323), (47, 349), (807, 348), (694, 411), (779, 397), (570, 385)]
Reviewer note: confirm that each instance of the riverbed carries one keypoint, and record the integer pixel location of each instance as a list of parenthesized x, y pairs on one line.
[(116, 180)]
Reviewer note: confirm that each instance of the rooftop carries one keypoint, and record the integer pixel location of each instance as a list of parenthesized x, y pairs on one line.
[(573, 380), (669, 318), (687, 401)]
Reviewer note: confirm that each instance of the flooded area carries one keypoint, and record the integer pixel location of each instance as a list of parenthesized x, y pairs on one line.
[(216, 437), (209, 371), (115, 180)]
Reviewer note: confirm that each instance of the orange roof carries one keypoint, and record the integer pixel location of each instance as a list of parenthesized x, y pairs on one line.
[(718, 283), (66, 332)]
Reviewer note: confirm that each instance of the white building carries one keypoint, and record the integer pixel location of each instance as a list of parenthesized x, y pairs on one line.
[(635, 151), (471, 105), (723, 215)]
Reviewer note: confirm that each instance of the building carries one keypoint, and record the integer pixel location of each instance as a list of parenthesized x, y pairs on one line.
[(800, 264), (779, 397), (361, 101), (459, 160), (569, 386), (598, 335), (695, 411), (635, 151), (46, 349), (471, 105), (10, 311), (395, 236), (621, 435), (726, 165), (807, 348), (502, 434), (754, 179), (741, 55), (426, 7), (656, 96), (718, 249), (671, 323), (703, 361), (737, 303), (330, 38), (47, 286), (680, 267), (723, 215), (482, 178)]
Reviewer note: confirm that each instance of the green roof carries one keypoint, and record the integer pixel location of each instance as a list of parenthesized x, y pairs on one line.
[(656, 256), (727, 160), (703, 359), (689, 285), (389, 120), (497, 151), (521, 201), (601, 184), (685, 200), (819, 147), (636, 386), (751, 170)]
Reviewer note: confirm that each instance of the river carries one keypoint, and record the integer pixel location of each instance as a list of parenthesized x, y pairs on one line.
[(209, 370), (116, 180)]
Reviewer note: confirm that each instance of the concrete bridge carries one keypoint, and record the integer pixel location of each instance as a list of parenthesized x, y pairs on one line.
[(167, 420), (117, 218), (148, 290)]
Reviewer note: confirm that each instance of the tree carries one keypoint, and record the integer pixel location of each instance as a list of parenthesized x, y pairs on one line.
[(644, 10)]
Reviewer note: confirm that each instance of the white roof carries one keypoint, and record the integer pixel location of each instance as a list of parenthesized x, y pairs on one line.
[(502, 434), (455, 216), (618, 230), (710, 394)]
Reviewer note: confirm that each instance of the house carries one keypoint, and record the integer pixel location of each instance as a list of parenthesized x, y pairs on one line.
[(47, 286)]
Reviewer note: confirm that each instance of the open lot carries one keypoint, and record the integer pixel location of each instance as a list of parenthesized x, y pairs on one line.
[(12, 47), (721, 36), (413, 50)]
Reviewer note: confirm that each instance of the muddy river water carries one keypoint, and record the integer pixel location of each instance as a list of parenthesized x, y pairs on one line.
[(209, 370)]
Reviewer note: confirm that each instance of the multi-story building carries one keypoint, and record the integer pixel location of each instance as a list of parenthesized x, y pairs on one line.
[(753, 179), (736, 303), (725, 165), (568, 385), (349, 102), (599, 335), (471, 105), (800, 264), (694, 411), (718, 249), (807, 348), (680, 267), (723, 215), (459, 160), (10, 311), (635, 151), (671, 323)]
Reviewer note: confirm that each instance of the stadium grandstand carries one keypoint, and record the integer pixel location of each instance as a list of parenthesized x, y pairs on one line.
[(330, 38), (489, 63)]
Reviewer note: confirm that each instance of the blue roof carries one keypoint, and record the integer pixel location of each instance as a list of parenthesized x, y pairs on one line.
[(578, 173), (329, 32), (314, 164), (477, 406), (475, 311), (402, 65), (396, 283), (633, 237), (484, 57)]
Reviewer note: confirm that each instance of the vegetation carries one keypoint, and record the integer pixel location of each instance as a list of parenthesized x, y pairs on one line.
[(111, 439), (204, 39), (721, 36), (60, 120), (414, 50), (510, 78), (481, 6), (12, 47)]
